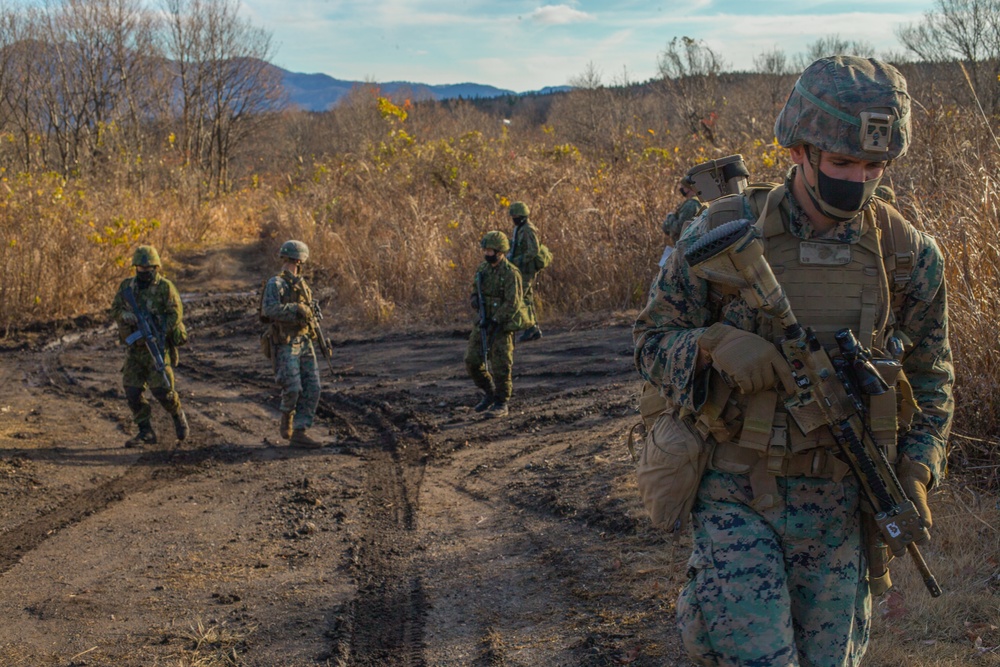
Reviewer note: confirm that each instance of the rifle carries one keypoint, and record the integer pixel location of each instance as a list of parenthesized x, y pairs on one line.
[(149, 333), (484, 333), (828, 392), (324, 343)]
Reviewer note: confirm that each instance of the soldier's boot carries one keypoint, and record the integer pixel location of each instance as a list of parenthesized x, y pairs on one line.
[(534, 333), (180, 425), (285, 428), (498, 409), (484, 403), (301, 440), (145, 436)]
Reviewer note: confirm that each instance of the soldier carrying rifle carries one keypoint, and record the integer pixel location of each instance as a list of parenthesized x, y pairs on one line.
[(498, 300), (287, 306), (787, 554), (149, 314)]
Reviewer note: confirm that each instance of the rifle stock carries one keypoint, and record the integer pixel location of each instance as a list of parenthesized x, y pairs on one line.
[(150, 334), (827, 393)]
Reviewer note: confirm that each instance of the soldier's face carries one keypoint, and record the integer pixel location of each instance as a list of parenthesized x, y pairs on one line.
[(836, 165), (490, 255)]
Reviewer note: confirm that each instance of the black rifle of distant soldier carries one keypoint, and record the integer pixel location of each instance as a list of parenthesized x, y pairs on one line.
[(324, 344), (149, 333), (484, 324), (827, 392)]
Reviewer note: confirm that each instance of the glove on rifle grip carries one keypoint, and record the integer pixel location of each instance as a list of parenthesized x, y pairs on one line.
[(751, 363)]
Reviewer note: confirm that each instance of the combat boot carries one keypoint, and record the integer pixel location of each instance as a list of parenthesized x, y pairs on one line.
[(498, 409), (484, 403), (534, 333), (145, 436), (180, 425), (285, 429), (301, 440)]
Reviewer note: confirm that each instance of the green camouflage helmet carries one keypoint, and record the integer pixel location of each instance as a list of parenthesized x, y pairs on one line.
[(145, 255), (848, 105), (495, 240), (518, 210), (296, 250)]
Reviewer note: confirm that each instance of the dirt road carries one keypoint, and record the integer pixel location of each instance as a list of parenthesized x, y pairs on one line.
[(426, 536)]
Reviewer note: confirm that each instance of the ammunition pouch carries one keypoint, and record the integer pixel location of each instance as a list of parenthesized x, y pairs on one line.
[(266, 344), (670, 463)]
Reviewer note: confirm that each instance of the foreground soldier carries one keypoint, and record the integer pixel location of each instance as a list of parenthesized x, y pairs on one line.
[(160, 308), (287, 306), (499, 313), (523, 253), (780, 572)]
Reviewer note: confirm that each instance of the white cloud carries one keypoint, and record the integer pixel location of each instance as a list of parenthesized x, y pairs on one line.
[(559, 15)]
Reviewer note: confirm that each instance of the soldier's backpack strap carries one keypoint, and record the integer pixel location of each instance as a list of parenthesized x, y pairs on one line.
[(899, 250)]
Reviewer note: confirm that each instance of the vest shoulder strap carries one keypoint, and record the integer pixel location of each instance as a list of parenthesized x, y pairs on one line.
[(899, 249)]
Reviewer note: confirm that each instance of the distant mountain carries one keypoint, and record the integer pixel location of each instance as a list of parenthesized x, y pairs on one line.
[(318, 92)]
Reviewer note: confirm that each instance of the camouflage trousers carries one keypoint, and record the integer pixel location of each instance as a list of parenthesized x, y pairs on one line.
[(297, 373), (138, 373), (782, 587), (501, 354), (529, 299)]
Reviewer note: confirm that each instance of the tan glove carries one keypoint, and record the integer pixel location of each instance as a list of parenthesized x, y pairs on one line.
[(915, 477), (303, 313), (745, 360)]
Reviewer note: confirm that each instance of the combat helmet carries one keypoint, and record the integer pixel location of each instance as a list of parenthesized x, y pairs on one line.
[(495, 240), (519, 210), (145, 255), (296, 250), (848, 105)]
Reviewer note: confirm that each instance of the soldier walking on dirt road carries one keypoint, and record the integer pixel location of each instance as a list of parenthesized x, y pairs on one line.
[(785, 563), (524, 250), (286, 305), (498, 300), (149, 314)]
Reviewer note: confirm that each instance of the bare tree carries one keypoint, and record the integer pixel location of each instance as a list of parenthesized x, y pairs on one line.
[(225, 86), (689, 71), (775, 68), (966, 31)]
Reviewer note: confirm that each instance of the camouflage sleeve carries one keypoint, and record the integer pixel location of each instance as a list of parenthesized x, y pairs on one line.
[(923, 321), (666, 332), (271, 305), (513, 296), (526, 251), (688, 211), (118, 305), (173, 314)]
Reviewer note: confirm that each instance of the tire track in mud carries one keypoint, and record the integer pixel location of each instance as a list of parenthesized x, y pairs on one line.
[(150, 471), (384, 624)]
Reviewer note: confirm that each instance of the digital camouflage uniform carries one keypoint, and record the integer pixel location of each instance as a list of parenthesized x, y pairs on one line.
[(676, 222), (505, 312), (295, 367), (162, 302), (786, 585)]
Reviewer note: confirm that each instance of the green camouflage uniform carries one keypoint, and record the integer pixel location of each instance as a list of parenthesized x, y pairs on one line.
[(786, 585), (162, 302), (523, 251), (676, 222), (295, 368), (503, 300)]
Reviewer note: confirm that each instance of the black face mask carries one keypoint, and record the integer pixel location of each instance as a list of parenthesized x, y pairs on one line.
[(519, 221), (145, 278), (492, 259), (848, 197)]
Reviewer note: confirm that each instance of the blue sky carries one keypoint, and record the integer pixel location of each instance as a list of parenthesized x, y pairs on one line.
[(524, 45)]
